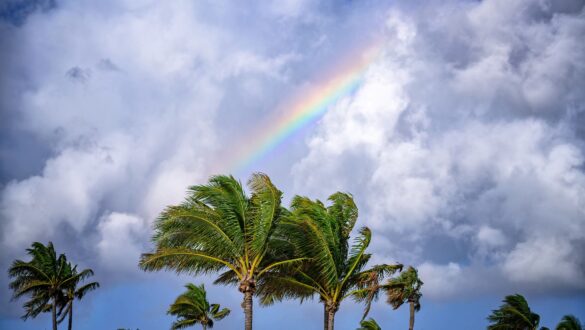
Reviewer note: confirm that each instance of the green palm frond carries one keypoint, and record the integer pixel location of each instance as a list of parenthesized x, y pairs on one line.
[(369, 324), (514, 314), (404, 288), (569, 322), (333, 270), (49, 280), (192, 307)]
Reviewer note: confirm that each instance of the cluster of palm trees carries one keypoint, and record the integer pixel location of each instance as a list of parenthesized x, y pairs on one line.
[(266, 250), (274, 253), (51, 282), (192, 307), (515, 313)]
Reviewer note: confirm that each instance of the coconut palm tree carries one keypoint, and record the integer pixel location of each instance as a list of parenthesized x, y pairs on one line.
[(514, 314), (405, 288), (45, 279), (73, 292), (193, 308), (334, 270), (369, 324), (219, 228), (569, 322)]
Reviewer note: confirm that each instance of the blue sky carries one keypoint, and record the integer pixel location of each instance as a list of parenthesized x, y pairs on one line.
[(464, 145)]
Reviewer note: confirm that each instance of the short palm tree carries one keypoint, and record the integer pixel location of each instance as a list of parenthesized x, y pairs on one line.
[(45, 279), (369, 324), (193, 308), (405, 288), (334, 270), (219, 228), (73, 292), (514, 314), (569, 322)]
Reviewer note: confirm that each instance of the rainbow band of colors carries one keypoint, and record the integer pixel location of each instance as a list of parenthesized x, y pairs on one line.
[(304, 111)]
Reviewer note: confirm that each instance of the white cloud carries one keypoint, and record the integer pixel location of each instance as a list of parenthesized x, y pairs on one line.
[(466, 157), (127, 106), (463, 146), (544, 261), (121, 241)]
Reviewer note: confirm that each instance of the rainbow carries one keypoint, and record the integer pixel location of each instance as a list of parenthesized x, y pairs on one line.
[(302, 111)]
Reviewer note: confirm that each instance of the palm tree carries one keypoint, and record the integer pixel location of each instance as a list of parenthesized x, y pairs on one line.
[(72, 292), (514, 314), (44, 278), (405, 288), (569, 322), (335, 270), (219, 228), (192, 308), (369, 324)]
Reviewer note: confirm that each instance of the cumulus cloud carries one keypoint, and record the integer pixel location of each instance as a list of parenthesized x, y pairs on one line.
[(464, 146), (112, 109), (122, 239), (124, 111), (469, 156)]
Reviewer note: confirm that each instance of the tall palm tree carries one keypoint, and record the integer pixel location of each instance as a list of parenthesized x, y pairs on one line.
[(369, 324), (44, 278), (514, 314), (335, 270), (73, 292), (193, 308), (405, 288), (218, 228), (569, 322)]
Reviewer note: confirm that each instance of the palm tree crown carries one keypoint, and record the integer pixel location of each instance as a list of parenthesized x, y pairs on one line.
[(514, 314), (369, 324), (193, 308), (219, 228), (73, 292), (335, 270), (405, 288), (569, 322), (47, 279)]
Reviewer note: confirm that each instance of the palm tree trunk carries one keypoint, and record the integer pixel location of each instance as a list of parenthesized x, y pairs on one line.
[(325, 317), (330, 319), (411, 324), (70, 326), (54, 312), (204, 326), (248, 309)]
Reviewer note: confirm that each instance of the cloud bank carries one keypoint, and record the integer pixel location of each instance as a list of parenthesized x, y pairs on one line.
[(464, 146)]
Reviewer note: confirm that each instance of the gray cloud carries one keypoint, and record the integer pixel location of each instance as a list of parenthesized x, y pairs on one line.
[(113, 108), (465, 146)]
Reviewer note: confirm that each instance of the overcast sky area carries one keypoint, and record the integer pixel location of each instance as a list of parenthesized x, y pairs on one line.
[(463, 145)]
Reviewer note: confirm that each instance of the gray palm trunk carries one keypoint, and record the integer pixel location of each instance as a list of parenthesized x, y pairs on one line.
[(54, 312), (248, 305), (330, 310), (411, 324), (325, 318), (70, 321), (330, 319)]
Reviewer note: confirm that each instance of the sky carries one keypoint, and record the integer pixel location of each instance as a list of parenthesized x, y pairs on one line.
[(462, 141)]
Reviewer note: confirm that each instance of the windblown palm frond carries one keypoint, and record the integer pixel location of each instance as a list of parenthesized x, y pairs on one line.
[(405, 288), (47, 279), (569, 322), (334, 270), (514, 314), (369, 324), (219, 228), (192, 308)]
